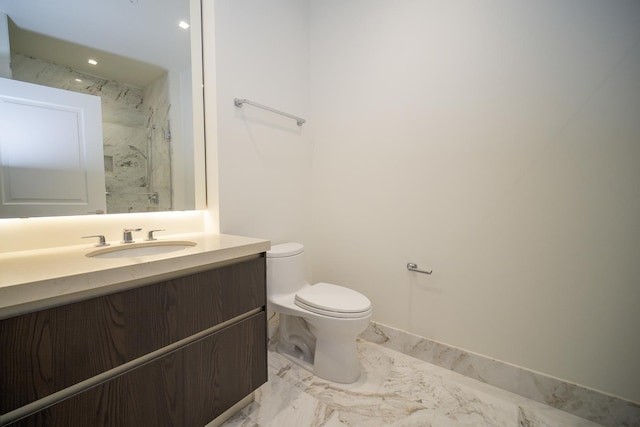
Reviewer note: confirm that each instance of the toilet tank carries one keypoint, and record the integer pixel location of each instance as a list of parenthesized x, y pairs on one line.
[(285, 268)]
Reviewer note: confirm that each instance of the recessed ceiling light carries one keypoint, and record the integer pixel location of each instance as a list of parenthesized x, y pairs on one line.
[(93, 62), (183, 25)]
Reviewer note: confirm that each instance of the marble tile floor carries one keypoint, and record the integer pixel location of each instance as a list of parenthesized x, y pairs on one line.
[(394, 390)]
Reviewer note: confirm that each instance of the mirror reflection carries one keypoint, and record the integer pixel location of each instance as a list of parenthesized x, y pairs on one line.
[(136, 57)]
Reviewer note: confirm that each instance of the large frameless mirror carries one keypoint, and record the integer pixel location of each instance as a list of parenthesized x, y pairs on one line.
[(100, 107)]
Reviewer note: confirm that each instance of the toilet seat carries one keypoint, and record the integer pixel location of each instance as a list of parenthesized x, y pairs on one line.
[(333, 301)]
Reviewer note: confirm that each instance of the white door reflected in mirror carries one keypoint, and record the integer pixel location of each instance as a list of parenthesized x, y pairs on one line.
[(51, 158)]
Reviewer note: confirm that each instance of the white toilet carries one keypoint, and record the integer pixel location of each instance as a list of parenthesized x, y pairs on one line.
[(318, 323)]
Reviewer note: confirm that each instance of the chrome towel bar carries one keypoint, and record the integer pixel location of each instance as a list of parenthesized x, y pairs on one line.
[(414, 267), (238, 103)]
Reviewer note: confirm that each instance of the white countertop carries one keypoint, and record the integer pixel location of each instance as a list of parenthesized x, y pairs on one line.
[(36, 279)]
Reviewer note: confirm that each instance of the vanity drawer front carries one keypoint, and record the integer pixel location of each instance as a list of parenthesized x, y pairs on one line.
[(188, 387), (49, 350)]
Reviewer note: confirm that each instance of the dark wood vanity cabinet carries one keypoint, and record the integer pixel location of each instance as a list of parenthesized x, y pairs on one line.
[(178, 353)]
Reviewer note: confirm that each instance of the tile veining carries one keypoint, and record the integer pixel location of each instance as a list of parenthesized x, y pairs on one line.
[(394, 390), (580, 401)]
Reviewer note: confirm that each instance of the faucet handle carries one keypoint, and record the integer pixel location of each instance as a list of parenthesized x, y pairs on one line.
[(126, 234), (150, 235), (102, 241)]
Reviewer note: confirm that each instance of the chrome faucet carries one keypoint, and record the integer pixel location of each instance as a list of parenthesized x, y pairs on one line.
[(126, 234), (102, 241), (150, 235)]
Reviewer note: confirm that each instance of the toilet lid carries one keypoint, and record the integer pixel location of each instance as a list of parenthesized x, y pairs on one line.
[(285, 250), (333, 300)]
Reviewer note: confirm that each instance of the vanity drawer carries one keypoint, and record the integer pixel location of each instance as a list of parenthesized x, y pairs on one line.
[(49, 350), (188, 387)]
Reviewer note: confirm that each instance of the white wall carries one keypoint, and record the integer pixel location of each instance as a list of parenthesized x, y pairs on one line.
[(497, 143), (264, 159)]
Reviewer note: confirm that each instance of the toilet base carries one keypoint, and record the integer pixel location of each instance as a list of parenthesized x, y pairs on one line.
[(295, 356), (333, 361), (328, 351), (337, 360), (296, 340)]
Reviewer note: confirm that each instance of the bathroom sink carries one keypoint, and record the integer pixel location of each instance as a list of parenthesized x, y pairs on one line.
[(130, 250)]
